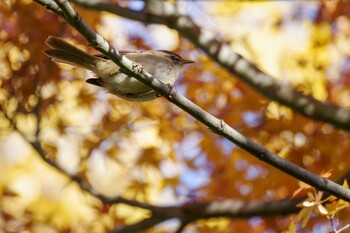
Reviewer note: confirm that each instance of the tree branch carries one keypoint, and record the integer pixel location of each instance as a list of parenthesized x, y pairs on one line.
[(233, 62), (140, 226), (217, 126)]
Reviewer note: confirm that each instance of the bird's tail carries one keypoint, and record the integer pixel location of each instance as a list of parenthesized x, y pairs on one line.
[(63, 52)]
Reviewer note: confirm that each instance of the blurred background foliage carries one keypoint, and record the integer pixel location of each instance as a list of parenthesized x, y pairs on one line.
[(153, 152)]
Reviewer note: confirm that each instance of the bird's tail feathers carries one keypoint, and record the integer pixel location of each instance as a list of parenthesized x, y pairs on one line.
[(63, 52)]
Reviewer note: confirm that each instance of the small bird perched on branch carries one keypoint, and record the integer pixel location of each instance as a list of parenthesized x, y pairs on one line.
[(164, 65)]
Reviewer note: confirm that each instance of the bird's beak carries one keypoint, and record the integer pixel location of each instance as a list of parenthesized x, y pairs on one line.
[(187, 61)]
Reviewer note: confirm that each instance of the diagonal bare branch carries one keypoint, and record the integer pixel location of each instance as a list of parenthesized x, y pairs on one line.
[(216, 125)]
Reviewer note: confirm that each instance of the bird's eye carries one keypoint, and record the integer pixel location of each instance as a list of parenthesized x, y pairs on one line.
[(175, 58)]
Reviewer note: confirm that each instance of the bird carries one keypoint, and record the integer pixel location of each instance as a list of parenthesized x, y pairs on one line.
[(164, 65)]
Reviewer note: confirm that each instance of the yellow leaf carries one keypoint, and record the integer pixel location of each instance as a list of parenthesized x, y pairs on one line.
[(327, 174), (335, 206), (292, 228)]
